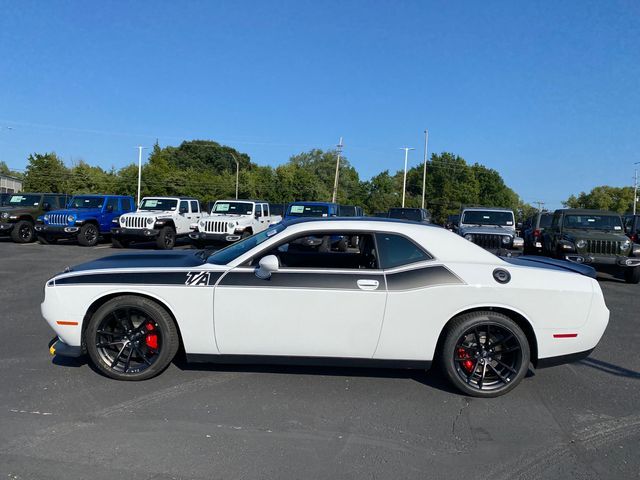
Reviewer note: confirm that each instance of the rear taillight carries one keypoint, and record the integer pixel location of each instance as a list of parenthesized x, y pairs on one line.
[(634, 237), (536, 233)]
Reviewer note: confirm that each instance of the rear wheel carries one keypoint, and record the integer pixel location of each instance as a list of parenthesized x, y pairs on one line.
[(632, 275), (131, 338), (119, 243), (485, 354), (166, 238), (23, 232), (88, 235)]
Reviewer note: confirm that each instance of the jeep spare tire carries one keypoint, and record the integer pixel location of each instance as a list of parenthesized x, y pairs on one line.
[(166, 238)]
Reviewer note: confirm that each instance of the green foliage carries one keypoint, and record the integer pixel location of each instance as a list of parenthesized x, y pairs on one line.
[(5, 170), (617, 199), (207, 170)]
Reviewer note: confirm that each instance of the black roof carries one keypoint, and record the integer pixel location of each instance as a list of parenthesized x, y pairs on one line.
[(585, 211), (295, 221)]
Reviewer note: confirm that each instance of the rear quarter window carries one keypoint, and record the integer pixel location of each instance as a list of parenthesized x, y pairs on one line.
[(396, 250)]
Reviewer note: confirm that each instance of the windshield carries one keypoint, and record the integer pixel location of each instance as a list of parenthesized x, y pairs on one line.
[(158, 204), (481, 217), (4, 199), (233, 251), (593, 222), (86, 202), (233, 208), (308, 211), (545, 221), (412, 214), (24, 200)]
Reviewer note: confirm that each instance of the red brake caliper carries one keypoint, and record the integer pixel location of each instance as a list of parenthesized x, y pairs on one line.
[(151, 339), (467, 364)]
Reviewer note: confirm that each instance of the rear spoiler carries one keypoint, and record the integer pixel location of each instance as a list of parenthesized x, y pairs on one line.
[(552, 263)]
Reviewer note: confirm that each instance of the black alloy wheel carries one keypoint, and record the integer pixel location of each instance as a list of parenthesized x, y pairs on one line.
[(23, 232), (166, 238), (131, 338), (485, 354), (88, 235)]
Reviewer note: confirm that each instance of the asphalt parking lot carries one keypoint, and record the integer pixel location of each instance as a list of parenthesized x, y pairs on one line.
[(60, 419)]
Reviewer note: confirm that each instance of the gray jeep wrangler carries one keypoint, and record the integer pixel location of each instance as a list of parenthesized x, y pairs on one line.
[(493, 229)]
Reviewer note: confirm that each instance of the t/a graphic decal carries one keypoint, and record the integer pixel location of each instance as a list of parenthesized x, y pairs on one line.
[(197, 279)]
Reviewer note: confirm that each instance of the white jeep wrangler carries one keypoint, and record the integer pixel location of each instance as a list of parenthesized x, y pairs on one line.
[(232, 220), (162, 219)]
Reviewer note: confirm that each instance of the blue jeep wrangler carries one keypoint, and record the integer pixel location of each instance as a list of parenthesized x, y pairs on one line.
[(86, 218)]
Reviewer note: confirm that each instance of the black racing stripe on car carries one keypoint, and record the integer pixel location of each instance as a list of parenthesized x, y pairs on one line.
[(186, 278), (333, 281), (421, 278)]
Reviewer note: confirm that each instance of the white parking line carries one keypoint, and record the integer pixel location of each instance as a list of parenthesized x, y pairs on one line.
[(102, 246)]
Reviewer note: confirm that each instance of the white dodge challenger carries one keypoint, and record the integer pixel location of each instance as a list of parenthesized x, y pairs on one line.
[(402, 295)]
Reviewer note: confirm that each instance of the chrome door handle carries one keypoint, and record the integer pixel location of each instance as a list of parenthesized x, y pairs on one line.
[(368, 284)]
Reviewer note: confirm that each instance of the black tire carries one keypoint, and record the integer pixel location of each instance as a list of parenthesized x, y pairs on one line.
[(23, 232), (489, 367), (119, 243), (166, 238), (88, 235), (245, 234), (632, 275), (44, 240), (131, 338)]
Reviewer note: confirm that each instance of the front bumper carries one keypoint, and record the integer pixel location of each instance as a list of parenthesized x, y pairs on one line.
[(134, 233), (204, 237), (58, 347), (6, 227), (57, 230), (602, 260)]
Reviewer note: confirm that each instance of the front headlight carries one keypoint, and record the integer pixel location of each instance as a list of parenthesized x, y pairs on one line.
[(46, 218), (506, 240), (150, 221), (625, 245), (581, 243), (469, 237), (202, 223), (231, 224), (4, 215), (71, 219), (121, 220)]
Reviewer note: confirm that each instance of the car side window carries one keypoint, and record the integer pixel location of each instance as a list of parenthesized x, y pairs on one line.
[(113, 203), (51, 200), (184, 206), (396, 250), (258, 211), (327, 250), (195, 207)]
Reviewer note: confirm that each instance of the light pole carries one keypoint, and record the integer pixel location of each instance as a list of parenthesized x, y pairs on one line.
[(635, 188), (335, 180), (140, 148), (404, 181), (424, 169), (237, 173)]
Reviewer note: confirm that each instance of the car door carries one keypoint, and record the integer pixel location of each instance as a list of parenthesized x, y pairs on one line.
[(184, 216), (110, 210), (320, 303)]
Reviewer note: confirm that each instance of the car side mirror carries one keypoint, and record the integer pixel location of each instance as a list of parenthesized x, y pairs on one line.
[(46, 206), (267, 266), (109, 208)]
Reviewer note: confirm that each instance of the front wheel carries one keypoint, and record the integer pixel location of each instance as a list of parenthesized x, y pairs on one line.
[(632, 275), (485, 354), (23, 232), (131, 338), (88, 235), (166, 238)]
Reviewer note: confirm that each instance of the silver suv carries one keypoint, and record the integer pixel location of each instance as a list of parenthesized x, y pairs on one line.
[(493, 229)]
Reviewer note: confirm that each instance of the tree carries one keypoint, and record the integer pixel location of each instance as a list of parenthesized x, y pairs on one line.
[(46, 173), (5, 170), (604, 197)]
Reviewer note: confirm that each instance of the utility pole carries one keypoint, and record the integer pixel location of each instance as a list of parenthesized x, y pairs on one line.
[(424, 169), (237, 173), (635, 188), (140, 148), (335, 180), (404, 181), (540, 204)]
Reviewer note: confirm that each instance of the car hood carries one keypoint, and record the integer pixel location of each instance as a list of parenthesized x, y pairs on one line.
[(150, 214), (230, 218), (551, 264), (487, 229), (11, 209), (611, 235), (78, 212), (171, 259)]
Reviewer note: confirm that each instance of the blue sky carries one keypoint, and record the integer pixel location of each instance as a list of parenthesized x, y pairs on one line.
[(546, 92)]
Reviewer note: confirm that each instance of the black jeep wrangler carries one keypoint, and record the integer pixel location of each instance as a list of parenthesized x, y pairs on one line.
[(593, 237)]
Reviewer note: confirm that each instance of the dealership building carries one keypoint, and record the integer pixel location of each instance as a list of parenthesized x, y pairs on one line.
[(10, 184)]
